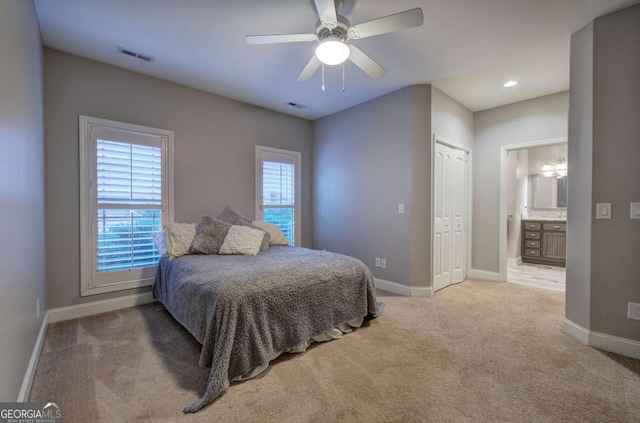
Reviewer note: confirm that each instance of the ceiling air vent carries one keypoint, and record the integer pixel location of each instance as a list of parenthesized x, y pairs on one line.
[(296, 105), (131, 53)]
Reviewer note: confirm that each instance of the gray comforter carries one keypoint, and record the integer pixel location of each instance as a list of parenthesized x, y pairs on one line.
[(246, 310)]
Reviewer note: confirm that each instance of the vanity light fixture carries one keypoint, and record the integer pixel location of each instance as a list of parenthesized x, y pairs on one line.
[(560, 170), (546, 170)]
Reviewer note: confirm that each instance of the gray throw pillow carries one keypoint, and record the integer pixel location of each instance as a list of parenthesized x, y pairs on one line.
[(231, 215), (267, 236), (210, 233)]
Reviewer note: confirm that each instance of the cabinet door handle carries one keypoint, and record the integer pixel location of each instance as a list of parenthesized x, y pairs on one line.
[(532, 226), (556, 227)]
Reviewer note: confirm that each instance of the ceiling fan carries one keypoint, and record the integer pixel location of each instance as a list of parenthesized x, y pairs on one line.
[(334, 31)]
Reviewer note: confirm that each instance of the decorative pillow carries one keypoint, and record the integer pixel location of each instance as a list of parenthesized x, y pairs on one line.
[(210, 234), (179, 238), (277, 236), (160, 241), (267, 236), (231, 215), (242, 240)]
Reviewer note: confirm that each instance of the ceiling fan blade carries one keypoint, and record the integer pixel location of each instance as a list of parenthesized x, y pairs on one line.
[(327, 12), (366, 63), (309, 70), (279, 38), (403, 20)]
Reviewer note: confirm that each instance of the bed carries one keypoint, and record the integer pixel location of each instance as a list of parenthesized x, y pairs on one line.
[(245, 311)]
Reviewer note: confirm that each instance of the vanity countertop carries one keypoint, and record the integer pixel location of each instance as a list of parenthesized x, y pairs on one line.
[(545, 219)]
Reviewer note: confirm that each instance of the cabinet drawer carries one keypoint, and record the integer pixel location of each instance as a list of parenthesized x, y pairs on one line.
[(534, 226), (532, 235), (555, 227), (531, 244), (531, 253)]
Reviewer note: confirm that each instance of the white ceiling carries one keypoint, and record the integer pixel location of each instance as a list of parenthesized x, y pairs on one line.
[(467, 48)]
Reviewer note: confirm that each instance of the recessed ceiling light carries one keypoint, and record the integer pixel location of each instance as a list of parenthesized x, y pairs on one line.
[(510, 84)]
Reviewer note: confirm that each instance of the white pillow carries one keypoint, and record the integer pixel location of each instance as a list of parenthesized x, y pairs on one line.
[(179, 238), (277, 236), (160, 241), (242, 240)]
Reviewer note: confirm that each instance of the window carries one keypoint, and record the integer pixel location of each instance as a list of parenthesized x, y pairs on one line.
[(278, 190), (125, 196)]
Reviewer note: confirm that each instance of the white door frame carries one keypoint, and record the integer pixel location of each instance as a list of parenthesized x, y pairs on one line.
[(504, 150), (442, 140)]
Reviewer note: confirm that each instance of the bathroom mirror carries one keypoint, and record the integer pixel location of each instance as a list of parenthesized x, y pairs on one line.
[(547, 193)]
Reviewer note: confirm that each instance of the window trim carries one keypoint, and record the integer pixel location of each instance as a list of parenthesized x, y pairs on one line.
[(86, 197), (297, 157)]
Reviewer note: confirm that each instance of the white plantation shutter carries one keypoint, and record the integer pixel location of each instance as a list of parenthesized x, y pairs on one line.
[(128, 202), (129, 194), (277, 188)]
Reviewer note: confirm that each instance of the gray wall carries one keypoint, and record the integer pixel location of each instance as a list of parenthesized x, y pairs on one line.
[(531, 120), (451, 120), (361, 171), (215, 139), (579, 196), (371, 157), (21, 191), (421, 269), (615, 244)]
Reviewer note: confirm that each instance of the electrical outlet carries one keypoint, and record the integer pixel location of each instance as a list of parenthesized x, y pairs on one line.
[(383, 263), (377, 261), (634, 311), (38, 308)]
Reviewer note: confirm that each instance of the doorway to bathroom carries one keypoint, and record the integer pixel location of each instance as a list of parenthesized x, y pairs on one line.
[(533, 214)]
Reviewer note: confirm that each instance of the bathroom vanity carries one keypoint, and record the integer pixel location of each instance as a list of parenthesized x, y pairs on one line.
[(544, 241)]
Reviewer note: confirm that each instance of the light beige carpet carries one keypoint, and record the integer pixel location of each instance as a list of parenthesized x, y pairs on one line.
[(477, 352)]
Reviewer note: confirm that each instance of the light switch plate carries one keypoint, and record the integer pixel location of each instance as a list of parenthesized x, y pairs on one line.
[(603, 211), (401, 208), (635, 211)]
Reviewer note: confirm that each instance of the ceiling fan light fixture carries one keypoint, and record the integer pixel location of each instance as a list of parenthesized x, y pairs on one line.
[(332, 51)]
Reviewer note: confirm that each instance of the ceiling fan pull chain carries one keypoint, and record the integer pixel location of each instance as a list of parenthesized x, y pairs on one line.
[(342, 76), (323, 77)]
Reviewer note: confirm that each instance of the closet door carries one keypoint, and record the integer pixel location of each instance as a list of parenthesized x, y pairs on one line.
[(450, 205), (458, 213), (442, 216)]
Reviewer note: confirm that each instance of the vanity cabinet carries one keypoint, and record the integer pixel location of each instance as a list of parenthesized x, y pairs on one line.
[(544, 242)]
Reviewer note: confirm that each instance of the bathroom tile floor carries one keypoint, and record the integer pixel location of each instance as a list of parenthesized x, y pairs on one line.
[(537, 276)]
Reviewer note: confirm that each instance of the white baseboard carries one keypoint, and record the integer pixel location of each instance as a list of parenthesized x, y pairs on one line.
[(421, 291), (514, 261), (25, 390), (602, 341), (615, 344), (576, 331), (483, 274), (97, 307), (404, 290)]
